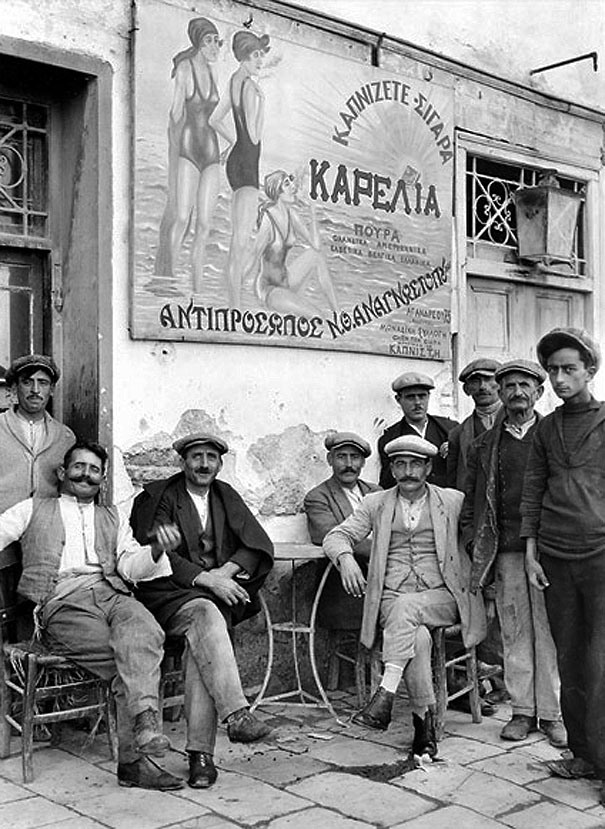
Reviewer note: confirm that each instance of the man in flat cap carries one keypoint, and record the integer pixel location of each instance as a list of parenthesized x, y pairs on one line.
[(491, 527), (418, 579), (479, 382), (32, 443), (222, 562), (326, 505), (563, 523), (412, 391)]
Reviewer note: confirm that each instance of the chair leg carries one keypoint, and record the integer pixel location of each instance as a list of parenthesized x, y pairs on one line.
[(472, 678), (5, 702), (439, 680), (111, 720), (27, 722), (361, 664), (333, 663)]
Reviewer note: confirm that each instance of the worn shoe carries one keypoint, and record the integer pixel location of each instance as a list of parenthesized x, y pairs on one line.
[(202, 771), (555, 731), (145, 774), (518, 727), (425, 737), (377, 713), (602, 793), (572, 768), (244, 727), (148, 737)]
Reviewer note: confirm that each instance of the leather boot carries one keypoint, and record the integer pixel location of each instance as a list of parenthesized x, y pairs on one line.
[(377, 713), (202, 771), (148, 737), (425, 738), (145, 774), (244, 727)]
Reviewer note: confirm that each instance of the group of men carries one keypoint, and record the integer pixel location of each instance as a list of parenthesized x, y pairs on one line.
[(506, 505)]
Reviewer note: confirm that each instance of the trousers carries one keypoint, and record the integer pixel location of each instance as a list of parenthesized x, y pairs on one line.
[(530, 659), (113, 636), (213, 688)]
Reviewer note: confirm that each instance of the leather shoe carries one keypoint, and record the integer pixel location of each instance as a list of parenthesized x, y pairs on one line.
[(518, 727), (244, 727), (145, 774), (202, 771), (377, 713), (555, 731), (571, 768), (425, 737), (148, 737)]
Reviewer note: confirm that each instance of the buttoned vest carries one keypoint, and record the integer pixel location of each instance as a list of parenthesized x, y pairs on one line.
[(42, 547)]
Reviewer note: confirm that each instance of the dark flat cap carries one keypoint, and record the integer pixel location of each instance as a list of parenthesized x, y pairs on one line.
[(197, 439), (34, 362), (411, 445), (483, 366), (568, 338), (524, 367), (410, 379), (335, 439)]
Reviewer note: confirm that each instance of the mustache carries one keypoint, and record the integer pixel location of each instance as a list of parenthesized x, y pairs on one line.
[(408, 479), (83, 479)]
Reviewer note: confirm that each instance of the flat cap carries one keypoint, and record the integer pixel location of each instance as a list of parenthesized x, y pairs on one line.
[(412, 378), (35, 362), (568, 338), (411, 445), (524, 367), (197, 439), (335, 439), (483, 366)]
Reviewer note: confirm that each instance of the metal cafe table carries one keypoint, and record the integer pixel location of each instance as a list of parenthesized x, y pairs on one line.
[(296, 554)]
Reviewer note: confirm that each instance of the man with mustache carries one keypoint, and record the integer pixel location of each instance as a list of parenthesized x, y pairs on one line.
[(32, 443), (563, 524), (217, 570), (491, 527), (412, 391), (326, 505), (76, 556), (417, 579)]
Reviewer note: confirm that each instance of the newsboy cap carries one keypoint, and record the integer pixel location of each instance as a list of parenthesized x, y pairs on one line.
[(412, 378), (568, 338), (197, 439), (335, 439), (34, 362), (483, 366), (524, 367), (411, 445)]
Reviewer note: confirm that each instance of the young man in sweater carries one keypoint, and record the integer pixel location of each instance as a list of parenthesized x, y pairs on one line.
[(563, 522), (491, 524)]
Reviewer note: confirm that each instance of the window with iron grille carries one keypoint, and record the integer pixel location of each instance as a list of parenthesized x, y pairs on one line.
[(23, 168), (491, 226)]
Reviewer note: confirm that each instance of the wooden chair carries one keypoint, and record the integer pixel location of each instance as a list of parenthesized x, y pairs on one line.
[(38, 687)]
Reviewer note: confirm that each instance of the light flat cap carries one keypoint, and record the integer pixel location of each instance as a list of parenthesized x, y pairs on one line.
[(524, 367), (197, 439), (568, 338), (411, 445), (410, 379), (32, 361), (483, 366), (336, 439)]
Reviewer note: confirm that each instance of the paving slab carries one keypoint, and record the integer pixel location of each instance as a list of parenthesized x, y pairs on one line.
[(239, 798), (10, 791), (277, 767), (515, 766), (553, 816), (450, 816), (492, 796), (319, 818), (32, 813), (438, 781), (137, 808), (377, 803), (581, 794), (209, 821), (78, 822), (346, 752), (462, 750)]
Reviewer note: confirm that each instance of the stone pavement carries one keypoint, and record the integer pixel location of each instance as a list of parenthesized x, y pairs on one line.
[(313, 772)]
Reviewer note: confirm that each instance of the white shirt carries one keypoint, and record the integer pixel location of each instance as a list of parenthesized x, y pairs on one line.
[(410, 510), (134, 562), (354, 495), (519, 432), (420, 429), (201, 505), (34, 431)]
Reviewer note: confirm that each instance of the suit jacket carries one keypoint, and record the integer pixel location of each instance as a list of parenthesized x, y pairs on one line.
[(460, 440), (238, 537), (375, 515), (437, 431)]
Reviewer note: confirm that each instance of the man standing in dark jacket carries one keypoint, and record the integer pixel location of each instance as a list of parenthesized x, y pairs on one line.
[(490, 522), (564, 527), (222, 562), (412, 393)]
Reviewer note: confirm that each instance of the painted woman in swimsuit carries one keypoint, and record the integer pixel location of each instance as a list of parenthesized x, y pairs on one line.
[(280, 275), (194, 170), (247, 105)]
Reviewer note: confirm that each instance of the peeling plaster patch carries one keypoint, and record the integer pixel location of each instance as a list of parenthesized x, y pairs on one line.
[(164, 352), (143, 425), (289, 463)]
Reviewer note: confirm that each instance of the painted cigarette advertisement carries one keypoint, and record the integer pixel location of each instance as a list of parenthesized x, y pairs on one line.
[(285, 195)]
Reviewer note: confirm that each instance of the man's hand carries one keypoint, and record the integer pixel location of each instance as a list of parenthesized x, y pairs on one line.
[(533, 568), (167, 537), (443, 449), (351, 576), (223, 586)]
